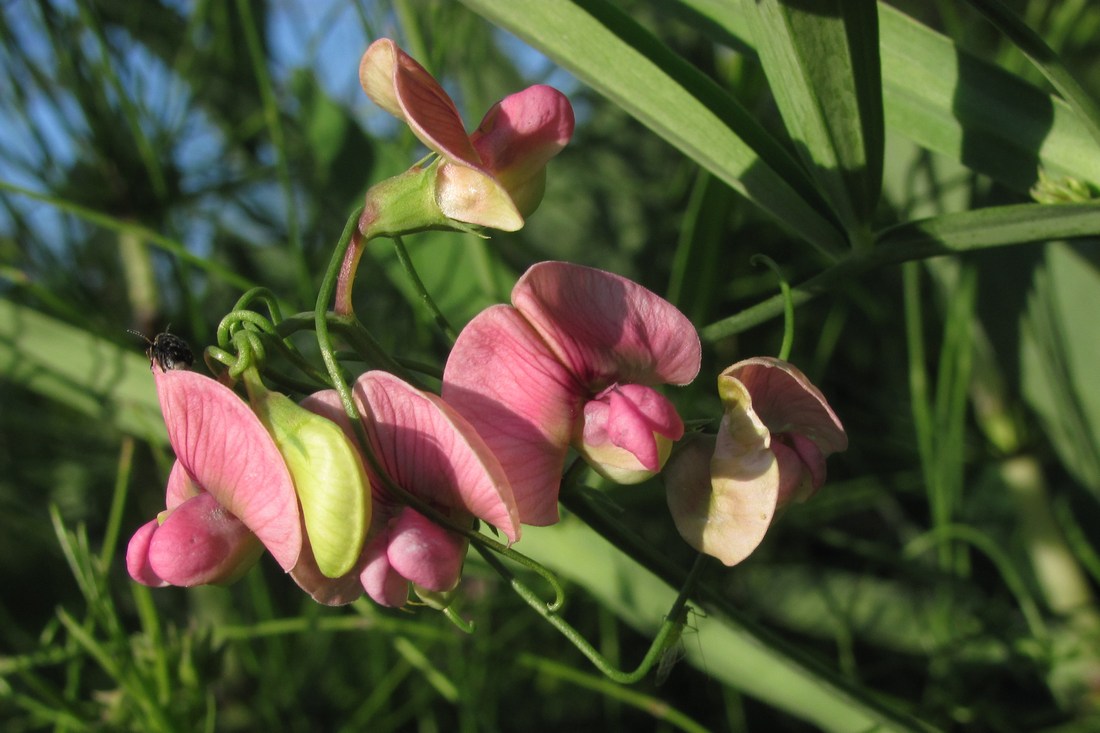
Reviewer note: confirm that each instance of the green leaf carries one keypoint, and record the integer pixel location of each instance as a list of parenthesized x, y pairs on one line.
[(1059, 353), (76, 368), (822, 64), (609, 51), (951, 102)]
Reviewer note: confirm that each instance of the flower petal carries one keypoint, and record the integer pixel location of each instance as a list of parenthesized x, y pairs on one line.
[(181, 487), (137, 556), (404, 88), (519, 135), (323, 589), (628, 432), (432, 451), (224, 448), (787, 403), (606, 328), (425, 553), (382, 583), (722, 506), (469, 195), (503, 379), (201, 542)]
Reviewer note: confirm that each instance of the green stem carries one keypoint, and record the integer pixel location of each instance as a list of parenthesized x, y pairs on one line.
[(422, 291), (951, 234)]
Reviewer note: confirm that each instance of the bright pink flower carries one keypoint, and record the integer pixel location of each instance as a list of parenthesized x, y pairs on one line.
[(495, 176), (228, 492), (771, 447), (572, 362), (433, 453)]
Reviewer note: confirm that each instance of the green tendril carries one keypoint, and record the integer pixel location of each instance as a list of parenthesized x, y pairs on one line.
[(666, 635), (788, 303)]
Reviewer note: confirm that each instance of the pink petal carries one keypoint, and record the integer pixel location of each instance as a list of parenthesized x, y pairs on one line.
[(787, 403), (606, 328), (382, 583), (200, 542), (402, 87), (431, 451), (519, 135), (137, 556), (224, 448), (631, 416), (521, 400), (180, 487), (425, 553)]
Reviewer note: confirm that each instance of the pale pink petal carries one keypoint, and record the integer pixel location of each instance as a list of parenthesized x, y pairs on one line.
[(402, 87), (329, 591), (811, 458), (606, 328), (795, 481), (201, 542), (137, 556), (424, 553), (381, 582), (180, 487), (506, 382), (787, 403), (224, 448), (431, 451)]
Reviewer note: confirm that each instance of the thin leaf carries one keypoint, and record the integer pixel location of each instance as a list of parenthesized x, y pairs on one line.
[(822, 63), (608, 50)]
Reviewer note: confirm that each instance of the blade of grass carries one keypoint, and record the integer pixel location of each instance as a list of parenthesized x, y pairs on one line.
[(1045, 59), (822, 64)]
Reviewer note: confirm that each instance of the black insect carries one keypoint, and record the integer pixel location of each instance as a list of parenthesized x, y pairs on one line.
[(167, 350)]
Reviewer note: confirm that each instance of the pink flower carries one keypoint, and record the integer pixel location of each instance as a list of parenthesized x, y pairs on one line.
[(433, 453), (771, 447), (229, 494), (572, 362), (495, 176)]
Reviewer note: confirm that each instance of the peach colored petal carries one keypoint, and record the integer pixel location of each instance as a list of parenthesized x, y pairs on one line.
[(787, 402), (223, 447), (502, 377), (470, 195), (606, 328)]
